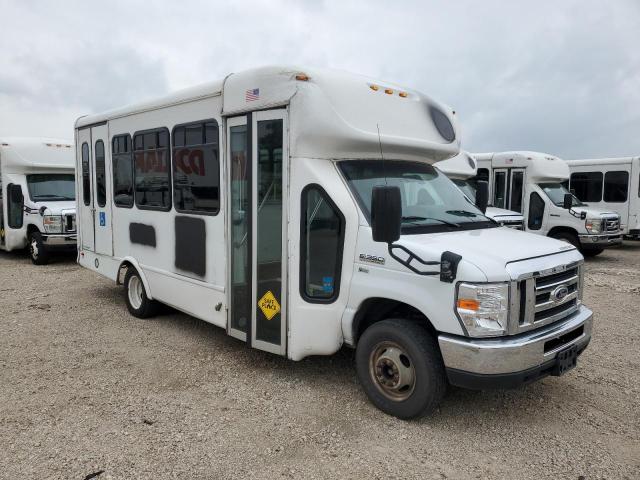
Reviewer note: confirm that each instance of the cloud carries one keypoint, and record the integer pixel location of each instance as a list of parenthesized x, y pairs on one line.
[(560, 77)]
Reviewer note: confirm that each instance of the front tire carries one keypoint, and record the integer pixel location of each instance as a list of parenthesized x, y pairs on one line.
[(138, 303), (400, 368), (568, 237), (37, 251), (592, 252)]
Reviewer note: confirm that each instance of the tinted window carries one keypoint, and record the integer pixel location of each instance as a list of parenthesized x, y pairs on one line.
[(15, 206), (101, 178), (86, 175), (196, 168), (322, 233), (122, 159), (616, 187), (499, 189), (152, 175), (536, 212), (517, 181), (587, 186)]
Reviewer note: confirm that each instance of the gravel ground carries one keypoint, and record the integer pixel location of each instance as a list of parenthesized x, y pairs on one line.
[(85, 387)]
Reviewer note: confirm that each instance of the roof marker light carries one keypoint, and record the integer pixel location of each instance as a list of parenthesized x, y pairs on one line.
[(388, 91), (303, 77), (375, 88), (403, 94)]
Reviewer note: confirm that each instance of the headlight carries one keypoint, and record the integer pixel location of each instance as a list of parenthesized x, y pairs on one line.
[(483, 308), (52, 223), (593, 225)]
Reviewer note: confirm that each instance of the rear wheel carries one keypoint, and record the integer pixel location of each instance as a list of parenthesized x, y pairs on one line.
[(37, 251), (138, 303), (400, 368)]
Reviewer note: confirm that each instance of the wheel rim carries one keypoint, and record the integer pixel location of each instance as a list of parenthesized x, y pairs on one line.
[(392, 371), (34, 248), (135, 291)]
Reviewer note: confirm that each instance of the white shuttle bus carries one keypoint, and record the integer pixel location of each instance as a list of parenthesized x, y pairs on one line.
[(533, 183), (37, 196), (299, 210), (463, 171), (612, 184)]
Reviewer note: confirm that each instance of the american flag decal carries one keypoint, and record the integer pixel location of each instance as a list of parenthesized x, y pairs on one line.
[(252, 94)]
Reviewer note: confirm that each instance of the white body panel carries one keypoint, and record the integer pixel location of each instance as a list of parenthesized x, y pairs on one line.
[(628, 210), (20, 157)]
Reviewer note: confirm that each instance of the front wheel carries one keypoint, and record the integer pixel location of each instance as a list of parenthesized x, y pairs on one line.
[(37, 251), (400, 368)]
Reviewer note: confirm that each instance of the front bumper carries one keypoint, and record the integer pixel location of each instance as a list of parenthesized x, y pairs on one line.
[(600, 240), (508, 362), (64, 240)]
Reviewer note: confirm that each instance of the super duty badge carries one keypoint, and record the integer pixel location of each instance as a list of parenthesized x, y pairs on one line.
[(371, 259)]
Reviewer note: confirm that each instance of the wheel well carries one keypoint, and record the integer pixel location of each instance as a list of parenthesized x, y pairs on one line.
[(556, 230), (31, 228), (122, 271), (377, 309)]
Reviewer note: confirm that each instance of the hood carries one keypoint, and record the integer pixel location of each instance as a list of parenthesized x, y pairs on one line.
[(489, 249), (493, 212), (595, 212), (55, 208)]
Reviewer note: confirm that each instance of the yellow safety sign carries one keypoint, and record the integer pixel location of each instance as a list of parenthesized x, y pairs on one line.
[(269, 305)]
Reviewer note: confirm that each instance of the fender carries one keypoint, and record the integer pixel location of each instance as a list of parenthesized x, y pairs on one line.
[(136, 265)]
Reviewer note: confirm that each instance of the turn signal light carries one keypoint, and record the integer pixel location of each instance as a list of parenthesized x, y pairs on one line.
[(468, 304)]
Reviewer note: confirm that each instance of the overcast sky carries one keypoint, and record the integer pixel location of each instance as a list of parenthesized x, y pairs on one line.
[(558, 76)]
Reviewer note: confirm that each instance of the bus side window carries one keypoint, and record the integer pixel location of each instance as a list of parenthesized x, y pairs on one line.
[(616, 187), (587, 186), (536, 212), (321, 244), (196, 168), (152, 178), (86, 176), (122, 159), (101, 179), (15, 206)]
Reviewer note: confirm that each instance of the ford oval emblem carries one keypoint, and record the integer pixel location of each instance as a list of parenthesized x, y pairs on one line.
[(560, 293)]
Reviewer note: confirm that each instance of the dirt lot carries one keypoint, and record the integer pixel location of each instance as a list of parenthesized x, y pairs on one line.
[(85, 387)]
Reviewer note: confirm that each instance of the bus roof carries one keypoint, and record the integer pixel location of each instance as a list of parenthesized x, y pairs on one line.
[(603, 161), (462, 166), (21, 153), (541, 167), (333, 114)]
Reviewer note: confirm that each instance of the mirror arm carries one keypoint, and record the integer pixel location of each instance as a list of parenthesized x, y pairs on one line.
[(412, 256)]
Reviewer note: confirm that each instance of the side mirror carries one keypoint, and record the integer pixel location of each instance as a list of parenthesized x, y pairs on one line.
[(386, 213), (568, 201), (482, 195)]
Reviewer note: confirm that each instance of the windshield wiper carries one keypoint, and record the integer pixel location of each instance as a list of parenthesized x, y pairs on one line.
[(462, 213), (415, 219)]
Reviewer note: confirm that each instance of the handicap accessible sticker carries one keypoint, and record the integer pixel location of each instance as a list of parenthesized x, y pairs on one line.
[(103, 219)]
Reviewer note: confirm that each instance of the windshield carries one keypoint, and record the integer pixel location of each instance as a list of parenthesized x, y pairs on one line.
[(430, 201), (51, 187), (467, 188), (556, 193)]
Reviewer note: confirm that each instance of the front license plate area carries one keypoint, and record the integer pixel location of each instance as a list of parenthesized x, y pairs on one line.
[(566, 360)]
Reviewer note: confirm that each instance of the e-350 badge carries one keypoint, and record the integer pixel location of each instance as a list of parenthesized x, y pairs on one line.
[(371, 259)]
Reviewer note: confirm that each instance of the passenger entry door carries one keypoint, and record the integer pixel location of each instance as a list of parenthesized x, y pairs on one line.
[(85, 190), (102, 191), (257, 160)]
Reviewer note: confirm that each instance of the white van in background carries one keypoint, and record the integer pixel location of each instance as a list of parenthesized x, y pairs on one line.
[(262, 203), (462, 170), (37, 196), (533, 183), (611, 184)]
